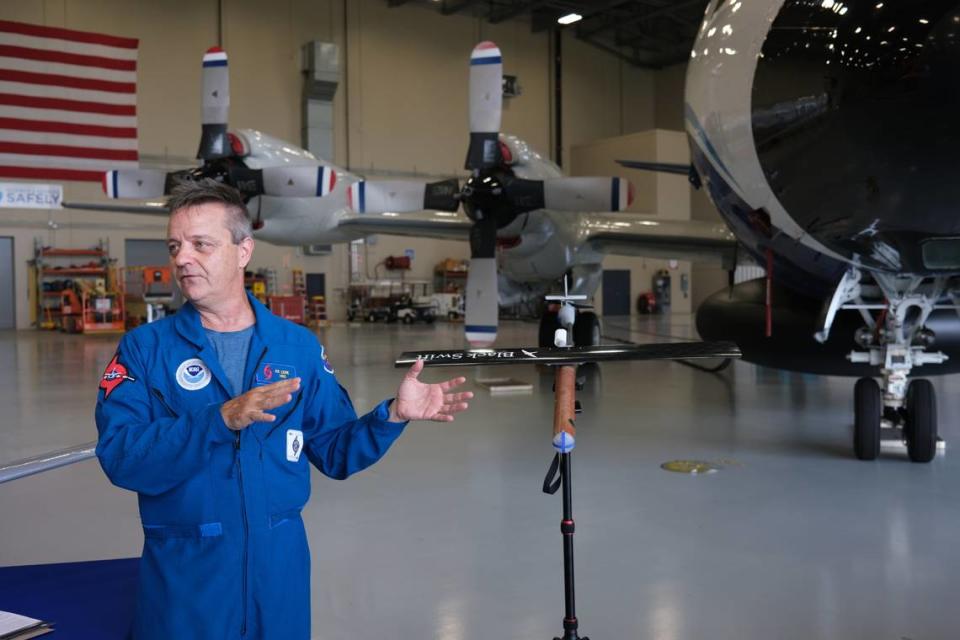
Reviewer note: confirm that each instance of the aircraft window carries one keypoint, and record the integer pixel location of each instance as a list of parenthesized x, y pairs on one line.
[(942, 253)]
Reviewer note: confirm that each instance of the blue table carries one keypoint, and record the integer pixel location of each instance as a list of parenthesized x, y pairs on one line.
[(84, 600)]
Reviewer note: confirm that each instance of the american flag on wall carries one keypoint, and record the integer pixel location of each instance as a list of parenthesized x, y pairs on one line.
[(68, 103)]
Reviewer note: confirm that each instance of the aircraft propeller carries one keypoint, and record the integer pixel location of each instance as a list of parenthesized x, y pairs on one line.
[(492, 197), (221, 154)]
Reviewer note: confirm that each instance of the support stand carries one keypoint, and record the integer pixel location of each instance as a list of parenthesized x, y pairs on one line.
[(559, 475), (566, 358)]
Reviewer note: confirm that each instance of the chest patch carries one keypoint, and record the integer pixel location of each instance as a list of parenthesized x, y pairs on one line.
[(193, 374), (272, 372), (294, 444)]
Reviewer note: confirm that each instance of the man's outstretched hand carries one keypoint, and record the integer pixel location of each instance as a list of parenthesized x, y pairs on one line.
[(420, 401)]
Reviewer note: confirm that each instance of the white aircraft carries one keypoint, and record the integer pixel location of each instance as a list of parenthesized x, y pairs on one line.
[(824, 131), (528, 225)]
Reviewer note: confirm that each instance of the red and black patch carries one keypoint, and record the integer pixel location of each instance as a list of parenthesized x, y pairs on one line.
[(114, 375)]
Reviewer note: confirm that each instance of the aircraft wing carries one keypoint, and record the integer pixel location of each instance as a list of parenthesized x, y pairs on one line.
[(421, 224), (651, 237), (149, 208)]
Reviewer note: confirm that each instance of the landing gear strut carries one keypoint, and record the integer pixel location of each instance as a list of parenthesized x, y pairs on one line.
[(896, 341)]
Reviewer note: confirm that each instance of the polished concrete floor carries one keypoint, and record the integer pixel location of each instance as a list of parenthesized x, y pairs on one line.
[(450, 537)]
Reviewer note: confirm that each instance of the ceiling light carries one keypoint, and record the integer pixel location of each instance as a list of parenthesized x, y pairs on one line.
[(924, 21), (827, 4), (570, 18)]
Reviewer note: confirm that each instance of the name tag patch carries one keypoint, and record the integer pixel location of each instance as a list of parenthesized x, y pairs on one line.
[(274, 372), (294, 445)]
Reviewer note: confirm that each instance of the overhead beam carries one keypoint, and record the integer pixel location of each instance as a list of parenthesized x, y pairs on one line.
[(515, 10), (448, 9), (640, 17)]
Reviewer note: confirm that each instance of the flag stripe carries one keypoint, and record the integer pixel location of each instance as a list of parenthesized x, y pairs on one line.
[(35, 102), (19, 160), (67, 70), (67, 116), (34, 137), (64, 93), (66, 151), (67, 81), (68, 128), (50, 173), (45, 55), (67, 34), (18, 40)]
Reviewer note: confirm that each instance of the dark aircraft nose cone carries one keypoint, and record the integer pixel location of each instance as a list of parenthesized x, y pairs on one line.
[(856, 119)]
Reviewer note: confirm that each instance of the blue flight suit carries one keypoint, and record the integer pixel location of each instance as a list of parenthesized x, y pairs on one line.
[(225, 552)]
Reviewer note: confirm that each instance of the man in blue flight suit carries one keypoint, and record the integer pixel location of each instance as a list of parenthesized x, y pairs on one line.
[(211, 416)]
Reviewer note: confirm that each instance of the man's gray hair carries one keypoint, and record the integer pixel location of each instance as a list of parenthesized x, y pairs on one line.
[(192, 193)]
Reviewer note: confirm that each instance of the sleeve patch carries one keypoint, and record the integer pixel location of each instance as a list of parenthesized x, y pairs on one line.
[(326, 361), (114, 375)]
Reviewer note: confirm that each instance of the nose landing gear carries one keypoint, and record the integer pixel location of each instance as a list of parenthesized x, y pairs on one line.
[(896, 341)]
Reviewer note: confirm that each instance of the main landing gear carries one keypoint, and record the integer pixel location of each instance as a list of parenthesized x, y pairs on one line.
[(896, 341)]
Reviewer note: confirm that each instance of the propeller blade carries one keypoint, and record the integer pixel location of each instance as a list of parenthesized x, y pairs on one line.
[(299, 182), (214, 142), (486, 102), (135, 183), (660, 167), (482, 300), (402, 196), (587, 194)]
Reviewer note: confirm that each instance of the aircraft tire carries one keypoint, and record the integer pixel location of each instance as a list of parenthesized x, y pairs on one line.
[(867, 408), (921, 426), (586, 329), (548, 325)]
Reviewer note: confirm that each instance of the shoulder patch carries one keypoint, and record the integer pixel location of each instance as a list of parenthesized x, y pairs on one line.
[(113, 376), (326, 361)]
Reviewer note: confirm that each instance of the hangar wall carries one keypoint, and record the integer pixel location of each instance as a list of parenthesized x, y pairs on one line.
[(401, 107)]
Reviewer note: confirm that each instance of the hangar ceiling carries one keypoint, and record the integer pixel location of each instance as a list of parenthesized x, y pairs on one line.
[(645, 33)]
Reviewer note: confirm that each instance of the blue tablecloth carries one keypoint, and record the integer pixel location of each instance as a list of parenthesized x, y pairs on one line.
[(84, 600)]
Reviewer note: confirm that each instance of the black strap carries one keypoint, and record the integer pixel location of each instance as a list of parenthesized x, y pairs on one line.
[(554, 477)]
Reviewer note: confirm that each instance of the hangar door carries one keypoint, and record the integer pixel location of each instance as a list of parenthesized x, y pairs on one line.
[(7, 316), (616, 292)]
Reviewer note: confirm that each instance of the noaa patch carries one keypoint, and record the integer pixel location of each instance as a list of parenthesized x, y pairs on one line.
[(326, 363), (273, 372), (294, 445), (193, 374)]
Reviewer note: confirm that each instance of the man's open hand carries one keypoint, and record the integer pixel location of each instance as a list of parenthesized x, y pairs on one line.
[(252, 406), (420, 401)]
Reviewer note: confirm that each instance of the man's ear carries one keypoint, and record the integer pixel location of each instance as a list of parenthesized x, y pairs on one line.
[(246, 251)]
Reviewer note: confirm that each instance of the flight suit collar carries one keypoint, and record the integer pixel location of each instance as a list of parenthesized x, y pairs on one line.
[(188, 324)]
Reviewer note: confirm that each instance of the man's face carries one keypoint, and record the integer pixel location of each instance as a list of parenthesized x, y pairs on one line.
[(207, 264)]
